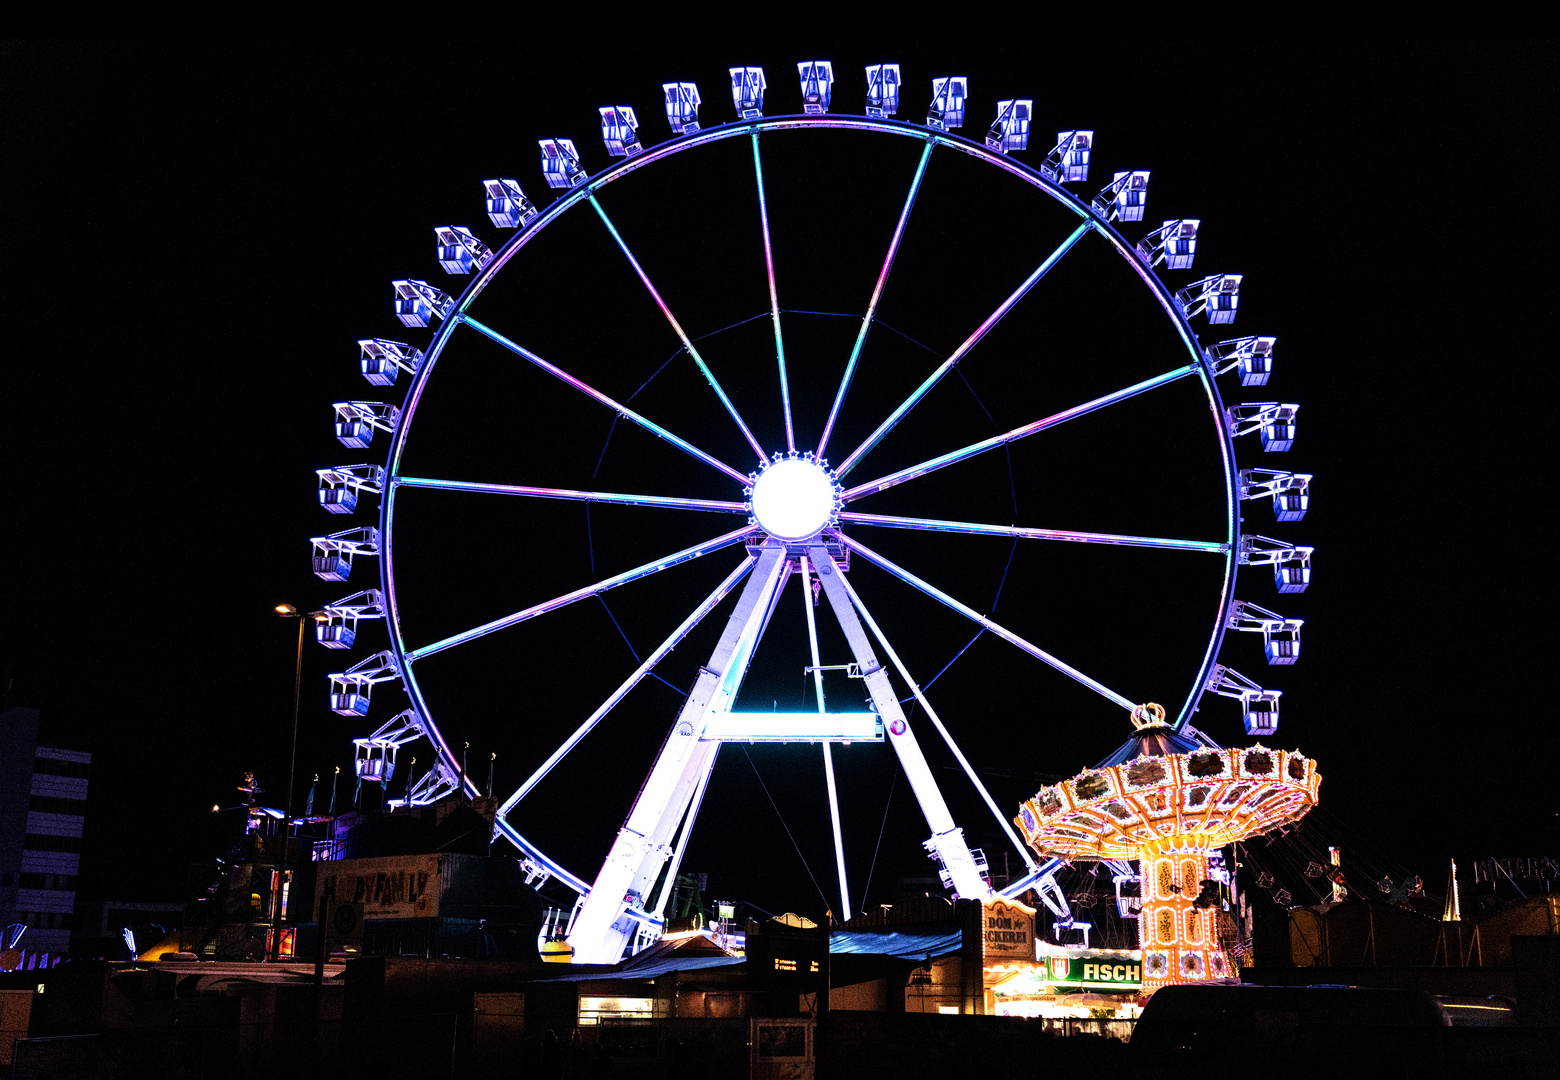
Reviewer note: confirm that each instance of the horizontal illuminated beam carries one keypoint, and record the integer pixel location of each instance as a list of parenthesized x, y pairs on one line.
[(969, 343), (685, 555), (891, 521), (976, 617), (665, 501), (800, 727), (590, 391), (882, 483)]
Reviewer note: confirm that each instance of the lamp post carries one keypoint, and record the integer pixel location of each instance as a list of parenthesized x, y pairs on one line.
[(287, 611)]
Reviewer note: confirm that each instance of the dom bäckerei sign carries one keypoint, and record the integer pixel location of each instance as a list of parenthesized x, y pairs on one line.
[(1007, 931)]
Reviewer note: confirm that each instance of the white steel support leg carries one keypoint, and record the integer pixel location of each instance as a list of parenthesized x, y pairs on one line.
[(600, 932), (670, 879), (828, 758), (931, 714), (947, 842)]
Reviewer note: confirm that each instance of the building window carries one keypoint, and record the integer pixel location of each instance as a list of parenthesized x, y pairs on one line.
[(40, 842), (31, 880), (49, 804), (55, 767)]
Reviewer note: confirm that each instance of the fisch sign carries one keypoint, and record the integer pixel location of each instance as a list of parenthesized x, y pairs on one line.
[(1101, 969), (405, 887)]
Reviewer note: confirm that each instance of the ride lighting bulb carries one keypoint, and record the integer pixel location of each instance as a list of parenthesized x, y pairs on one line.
[(793, 499)]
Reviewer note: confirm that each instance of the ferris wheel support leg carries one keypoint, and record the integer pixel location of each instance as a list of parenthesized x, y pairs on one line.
[(931, 714), (828, 757), (670, 879), (947, 843), (600, 931)]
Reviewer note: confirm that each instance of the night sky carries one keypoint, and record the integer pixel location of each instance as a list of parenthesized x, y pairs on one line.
[(196, 236)]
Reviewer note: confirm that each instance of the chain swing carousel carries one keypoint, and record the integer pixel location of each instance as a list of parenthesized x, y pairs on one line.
[(1167, 803)]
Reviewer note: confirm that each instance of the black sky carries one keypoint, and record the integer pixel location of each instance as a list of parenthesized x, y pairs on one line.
[(195, 236)]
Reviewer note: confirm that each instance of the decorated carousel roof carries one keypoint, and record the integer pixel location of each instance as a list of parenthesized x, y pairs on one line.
[(1153, 740), (1197, 797)]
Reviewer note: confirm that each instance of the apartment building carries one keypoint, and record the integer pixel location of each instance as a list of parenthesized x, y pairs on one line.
[(43, 793)]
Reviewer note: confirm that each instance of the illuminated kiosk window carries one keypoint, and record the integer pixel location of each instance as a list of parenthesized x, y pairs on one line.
[(593, 1010)]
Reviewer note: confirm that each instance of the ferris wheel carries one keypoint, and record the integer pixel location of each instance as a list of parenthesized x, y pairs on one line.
[(772, 446)]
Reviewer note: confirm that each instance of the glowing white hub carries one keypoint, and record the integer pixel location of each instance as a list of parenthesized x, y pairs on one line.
[(793, 499)]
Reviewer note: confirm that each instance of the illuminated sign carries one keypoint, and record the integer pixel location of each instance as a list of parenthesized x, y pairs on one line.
[(1007, 931), (1097, 969)]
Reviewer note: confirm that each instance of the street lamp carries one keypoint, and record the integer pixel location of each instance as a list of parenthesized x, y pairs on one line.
[(287, 611)]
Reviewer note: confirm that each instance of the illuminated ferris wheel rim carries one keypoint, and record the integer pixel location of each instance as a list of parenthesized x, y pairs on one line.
[(1090, 220), (1199, 363)]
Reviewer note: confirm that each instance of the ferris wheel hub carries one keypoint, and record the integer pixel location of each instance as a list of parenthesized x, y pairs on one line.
[(794, 498)]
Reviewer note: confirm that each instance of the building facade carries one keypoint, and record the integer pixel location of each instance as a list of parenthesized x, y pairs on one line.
[(43, 801)]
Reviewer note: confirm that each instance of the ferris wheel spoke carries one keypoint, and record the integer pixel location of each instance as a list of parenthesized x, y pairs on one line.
[(685, 555), (969, 343), (683, 630), (774, 296), (933, 525), (709, 376), (969, 770), (877, 293), (665, 501), (980, 620), (622, 410), (953, 457)]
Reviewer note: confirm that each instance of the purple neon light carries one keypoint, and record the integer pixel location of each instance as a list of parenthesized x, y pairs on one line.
[(980, 620), (621, 409), (969, 343), (665, 501), (774, 296), (602, 586), (883, 483), (709, 376), (932, 525), (682, 631), (877, 293)]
